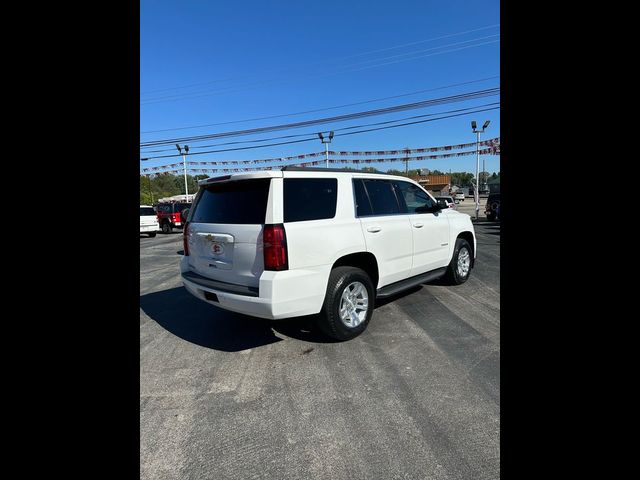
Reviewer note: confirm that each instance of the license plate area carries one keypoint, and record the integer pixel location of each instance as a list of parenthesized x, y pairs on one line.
[(217, 250)]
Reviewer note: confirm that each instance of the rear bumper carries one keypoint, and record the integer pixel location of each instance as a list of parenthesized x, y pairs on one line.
[(149, 228), (290, 293)]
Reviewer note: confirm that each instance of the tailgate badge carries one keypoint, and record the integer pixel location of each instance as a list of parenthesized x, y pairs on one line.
[(217, 249)]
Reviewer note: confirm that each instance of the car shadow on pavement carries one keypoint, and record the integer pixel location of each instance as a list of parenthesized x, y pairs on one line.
[(195, 321)]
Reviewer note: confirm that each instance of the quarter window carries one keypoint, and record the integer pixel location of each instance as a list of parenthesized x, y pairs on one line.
[(309, 198)]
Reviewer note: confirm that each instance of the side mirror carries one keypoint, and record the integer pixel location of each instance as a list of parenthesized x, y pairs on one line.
[(434, 209)]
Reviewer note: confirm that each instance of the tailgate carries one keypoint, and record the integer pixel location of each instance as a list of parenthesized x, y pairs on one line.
[(225, 231), (226, 252)]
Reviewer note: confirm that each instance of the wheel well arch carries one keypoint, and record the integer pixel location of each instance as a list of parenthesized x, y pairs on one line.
[(364, 260), (468, 236)]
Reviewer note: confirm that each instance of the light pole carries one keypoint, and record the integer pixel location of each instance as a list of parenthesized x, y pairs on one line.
[(184, 162), (326, 141), (476, 190)]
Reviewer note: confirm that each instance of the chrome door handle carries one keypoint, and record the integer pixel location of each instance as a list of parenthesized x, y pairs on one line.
[(374, 229), (418, 225)]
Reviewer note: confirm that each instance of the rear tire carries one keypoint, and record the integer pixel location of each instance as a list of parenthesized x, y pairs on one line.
[(460, 267), (348, 304), (491, 217), (151, 235), (166, 227)]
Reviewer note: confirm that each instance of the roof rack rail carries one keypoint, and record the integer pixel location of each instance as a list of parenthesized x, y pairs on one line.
[(291, 168)]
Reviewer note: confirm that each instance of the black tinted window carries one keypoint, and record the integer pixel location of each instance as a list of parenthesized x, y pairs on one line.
[(363, 207), (416, 200), (382, 197), (146, 211), (242, 202), (309, 198)]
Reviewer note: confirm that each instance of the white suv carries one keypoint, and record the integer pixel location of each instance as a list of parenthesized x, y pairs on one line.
[(148, 220), (307, 241)]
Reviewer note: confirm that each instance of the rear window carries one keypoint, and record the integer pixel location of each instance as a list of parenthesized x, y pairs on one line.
[(147, 211), (309, 198), (242, 202)]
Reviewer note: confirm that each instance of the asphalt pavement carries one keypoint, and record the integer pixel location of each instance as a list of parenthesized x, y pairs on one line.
[(416, 396)]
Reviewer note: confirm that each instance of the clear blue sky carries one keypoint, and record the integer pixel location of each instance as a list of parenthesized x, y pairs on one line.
[(205, 62)]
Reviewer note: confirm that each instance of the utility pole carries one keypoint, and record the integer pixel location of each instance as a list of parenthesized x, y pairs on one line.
[(484, 174), (406, 162), (477, 189), (184, 162), (326, 141), (149, 176)]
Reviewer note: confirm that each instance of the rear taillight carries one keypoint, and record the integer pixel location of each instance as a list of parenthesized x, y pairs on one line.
[(185, 239), (274, 242)]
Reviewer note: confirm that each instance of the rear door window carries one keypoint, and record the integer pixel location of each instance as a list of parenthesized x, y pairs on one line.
[(241, 202), (363, 206), (382, 196)]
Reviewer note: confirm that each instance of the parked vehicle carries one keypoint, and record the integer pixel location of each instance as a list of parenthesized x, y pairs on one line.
[(492, 206), (446, 202), (148, 220), (324, 242), (169, 216), (459, 195)]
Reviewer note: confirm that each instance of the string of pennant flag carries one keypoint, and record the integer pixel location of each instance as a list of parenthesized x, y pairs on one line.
[(484, 151), (493, 144)]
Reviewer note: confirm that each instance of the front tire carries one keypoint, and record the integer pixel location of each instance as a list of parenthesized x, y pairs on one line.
[(151, 235), (460, 267), (348, 304)]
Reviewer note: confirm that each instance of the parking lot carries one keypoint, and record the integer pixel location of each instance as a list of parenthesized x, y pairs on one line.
[(417, 395)]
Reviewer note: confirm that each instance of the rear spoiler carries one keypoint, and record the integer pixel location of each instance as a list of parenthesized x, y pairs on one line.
[(241, 176), (207, 181)]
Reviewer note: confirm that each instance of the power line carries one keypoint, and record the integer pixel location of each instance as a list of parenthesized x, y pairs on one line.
[(332, 60), (276, 81), (338, 135), (338, 118), (325, 108), (314, 134)]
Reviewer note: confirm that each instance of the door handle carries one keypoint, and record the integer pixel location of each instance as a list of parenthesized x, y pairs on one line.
[(418, 224), (374, 229)]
